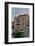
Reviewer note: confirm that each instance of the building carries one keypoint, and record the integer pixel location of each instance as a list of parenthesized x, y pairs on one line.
[(20, 21)]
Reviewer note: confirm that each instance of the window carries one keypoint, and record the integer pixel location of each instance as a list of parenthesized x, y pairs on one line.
[(17, 20), (17, 24), (28, 23)]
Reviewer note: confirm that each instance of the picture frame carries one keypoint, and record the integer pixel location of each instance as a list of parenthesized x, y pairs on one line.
[(20, 6)]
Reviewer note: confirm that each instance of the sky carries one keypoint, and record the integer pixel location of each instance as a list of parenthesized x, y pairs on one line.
[(17, 11)]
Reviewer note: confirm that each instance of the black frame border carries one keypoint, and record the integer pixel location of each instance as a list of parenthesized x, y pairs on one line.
[(6, 22)]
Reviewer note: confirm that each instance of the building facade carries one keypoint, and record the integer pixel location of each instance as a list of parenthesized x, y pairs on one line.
[(20, 21)]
